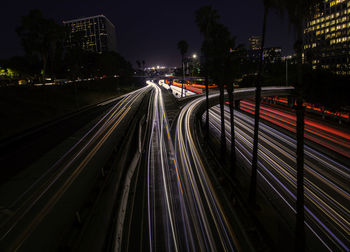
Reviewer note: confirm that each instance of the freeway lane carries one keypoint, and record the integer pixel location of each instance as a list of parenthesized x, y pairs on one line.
[(176, 90), (211, 226), (173, 222), (325, 135), (156, 215), (326, 180), (33, 211), (165, 220), (184, 214)]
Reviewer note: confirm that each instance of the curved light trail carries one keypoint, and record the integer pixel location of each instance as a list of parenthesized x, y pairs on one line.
[(330, 137), (327, 189), (212, 227), (42, 195)]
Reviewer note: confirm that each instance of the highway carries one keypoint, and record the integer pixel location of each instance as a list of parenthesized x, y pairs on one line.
[(38, 200), (160, 195), (328, 136), (184, 212), (326, 180), (176, 90), (48, 195), (166, 229), (178, 216), (211, 227)]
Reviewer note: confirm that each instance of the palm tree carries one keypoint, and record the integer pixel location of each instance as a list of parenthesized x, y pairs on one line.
[(268, 4), (299, 11), (216, 51), (40, 36), (143, 65), (182, 45), (206, 18), (56, 37), (232, 123), (233, 67), (138, 63)]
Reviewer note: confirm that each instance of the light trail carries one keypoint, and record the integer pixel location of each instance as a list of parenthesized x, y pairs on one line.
[(326, 190), (61, 175), (164, 189), (184, 212), (176, 90), (213, 229), (325, 135)]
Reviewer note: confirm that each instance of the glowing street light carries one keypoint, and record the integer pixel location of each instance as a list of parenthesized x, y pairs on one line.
[(194, 56)]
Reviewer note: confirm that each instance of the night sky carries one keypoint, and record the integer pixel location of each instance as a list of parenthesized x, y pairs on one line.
[(149, 30)]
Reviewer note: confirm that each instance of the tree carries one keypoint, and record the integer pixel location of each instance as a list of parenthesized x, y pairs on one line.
[(268, 4), (138, 63), (206, 17), (143, 65), (233, 65), (182, 45), (298, 12), (216, 51), (28, 66), (40, 36), (55, 37), (112, 63)]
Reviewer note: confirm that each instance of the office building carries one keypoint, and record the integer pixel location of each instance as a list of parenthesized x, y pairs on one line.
[(94, 33), (255, 43), (327, 37)]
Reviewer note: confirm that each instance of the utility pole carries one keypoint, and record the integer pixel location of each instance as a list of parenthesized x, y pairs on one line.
[(183, 78), (286, 71)]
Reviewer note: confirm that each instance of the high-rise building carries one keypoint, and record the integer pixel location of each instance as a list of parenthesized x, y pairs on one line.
[(327, 37), (95, 33), (255, 42)]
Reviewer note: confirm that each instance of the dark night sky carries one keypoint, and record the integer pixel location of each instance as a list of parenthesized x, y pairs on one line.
[(150, 29)]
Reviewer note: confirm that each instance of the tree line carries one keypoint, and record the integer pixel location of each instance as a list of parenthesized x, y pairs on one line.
[(46, 55)]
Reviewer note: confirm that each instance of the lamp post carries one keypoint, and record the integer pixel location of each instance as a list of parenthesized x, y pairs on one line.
[(194, 56), (286, 71)]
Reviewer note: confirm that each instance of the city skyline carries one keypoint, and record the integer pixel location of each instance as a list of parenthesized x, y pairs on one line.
[(154, 39)]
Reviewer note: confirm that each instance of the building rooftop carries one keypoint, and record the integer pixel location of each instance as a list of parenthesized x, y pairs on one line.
[(85, 18)]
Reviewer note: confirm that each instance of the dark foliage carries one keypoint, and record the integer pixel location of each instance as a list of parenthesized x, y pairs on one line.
[(323, 88), (43, 43)]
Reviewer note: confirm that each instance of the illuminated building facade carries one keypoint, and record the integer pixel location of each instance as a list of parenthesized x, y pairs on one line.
[(327, 37), (95, 33), (255, 43)]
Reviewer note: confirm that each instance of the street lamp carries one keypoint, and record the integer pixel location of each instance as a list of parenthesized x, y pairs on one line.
[(194, 56), (286, 71)]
